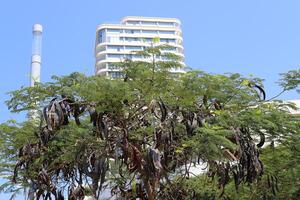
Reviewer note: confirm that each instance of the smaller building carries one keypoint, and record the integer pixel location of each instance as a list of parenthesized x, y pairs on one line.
[(297, 104), (117, 42)]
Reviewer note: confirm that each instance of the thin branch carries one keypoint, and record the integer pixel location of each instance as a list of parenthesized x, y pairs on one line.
[(277, 95)]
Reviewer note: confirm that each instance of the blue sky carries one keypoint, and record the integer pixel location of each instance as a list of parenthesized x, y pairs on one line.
[(259, 37)]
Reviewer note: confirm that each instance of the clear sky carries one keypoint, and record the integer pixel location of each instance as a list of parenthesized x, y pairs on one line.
[(259, 37)]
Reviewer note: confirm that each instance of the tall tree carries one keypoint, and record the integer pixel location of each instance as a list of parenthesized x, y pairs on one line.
[(138, 135)]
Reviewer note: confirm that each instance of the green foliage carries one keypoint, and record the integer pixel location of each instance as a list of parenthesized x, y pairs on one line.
[(290, 80), (145, 127)]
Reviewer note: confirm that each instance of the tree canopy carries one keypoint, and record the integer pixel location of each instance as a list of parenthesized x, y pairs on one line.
[(137, 136)]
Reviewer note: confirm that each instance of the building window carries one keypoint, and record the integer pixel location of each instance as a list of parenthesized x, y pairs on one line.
[(127, 56), (167, 32), (133, 22), (136, 56), (101, 48), (101, 36), (114, 30), (128, 39), (116, 74), (164, 40), (102, 66), (112, 39), (165, 58), (114, 56), (170, 49), (133, 48), (130, 31), (147, 40), (166, 23), (112, 66), (149, 23), (149, 31), (100, 58), (113, 47)]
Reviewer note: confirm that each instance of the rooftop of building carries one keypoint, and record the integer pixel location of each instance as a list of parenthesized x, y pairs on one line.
[(159, 19), (122, 24)]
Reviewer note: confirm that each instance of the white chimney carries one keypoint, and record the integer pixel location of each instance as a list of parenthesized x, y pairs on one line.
[(36, 54)]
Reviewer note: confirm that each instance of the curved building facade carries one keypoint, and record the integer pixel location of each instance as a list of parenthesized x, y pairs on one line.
[(116, 42)]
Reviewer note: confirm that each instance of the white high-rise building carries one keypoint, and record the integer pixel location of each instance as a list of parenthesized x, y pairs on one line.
[(116, 42)]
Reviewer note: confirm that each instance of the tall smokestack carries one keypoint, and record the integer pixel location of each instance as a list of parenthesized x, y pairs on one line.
[(35, 74), (36, 54)]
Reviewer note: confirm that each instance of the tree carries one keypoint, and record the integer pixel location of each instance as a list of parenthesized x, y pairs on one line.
[(135, 134)]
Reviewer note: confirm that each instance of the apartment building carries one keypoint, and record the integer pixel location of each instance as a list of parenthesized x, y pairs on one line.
[(117, 42)]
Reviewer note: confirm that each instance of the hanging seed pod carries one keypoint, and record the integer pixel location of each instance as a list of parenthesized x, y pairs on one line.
[(262, 140), (260, 91)]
